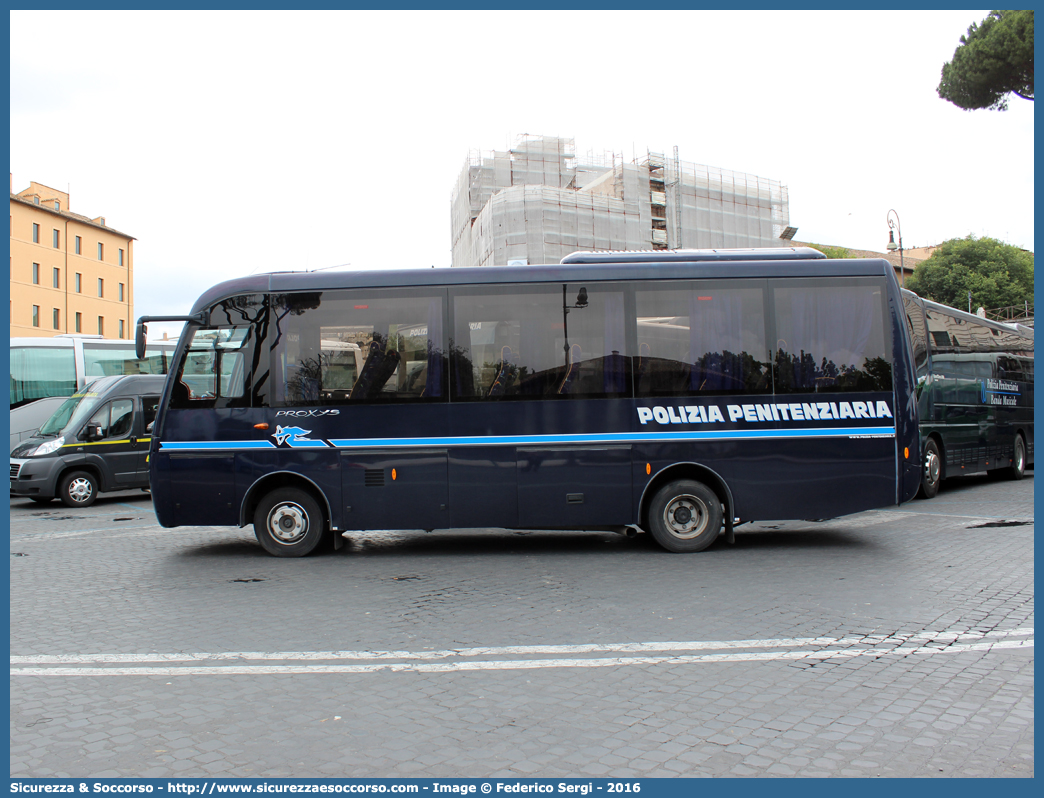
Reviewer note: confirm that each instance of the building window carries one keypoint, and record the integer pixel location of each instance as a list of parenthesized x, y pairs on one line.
[(79, 321), (79, 278), (56, 278), (77, 245), (101, 287), (55, 318), (36, 233), (121, 292), (56, 240), (121, 257), (57, 205), (101, 325), (121, 328), (101, 251), (36, 315), (36, 274)]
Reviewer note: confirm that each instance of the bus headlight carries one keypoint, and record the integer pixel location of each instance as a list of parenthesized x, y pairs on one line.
[(49, 446)]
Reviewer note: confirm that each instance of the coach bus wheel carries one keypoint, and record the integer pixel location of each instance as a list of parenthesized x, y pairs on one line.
[(78, 489), (685, 516), (931, 470), (1017, 470), (288, 523)]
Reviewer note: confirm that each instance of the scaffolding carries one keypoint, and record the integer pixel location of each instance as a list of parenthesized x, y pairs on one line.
[(536, 203)]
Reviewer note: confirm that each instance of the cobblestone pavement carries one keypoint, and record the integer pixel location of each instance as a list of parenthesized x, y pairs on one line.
[(891, 643)]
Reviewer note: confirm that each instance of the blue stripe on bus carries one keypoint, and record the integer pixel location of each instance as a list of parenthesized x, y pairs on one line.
[(613, 437), (182, 445), (524, 440)]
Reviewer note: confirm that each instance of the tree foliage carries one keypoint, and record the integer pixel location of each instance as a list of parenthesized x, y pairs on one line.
[(836, 253), (993, 60), (997, 274)]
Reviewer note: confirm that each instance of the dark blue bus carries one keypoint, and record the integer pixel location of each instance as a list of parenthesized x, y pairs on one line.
[(974, 393), (679, 393)]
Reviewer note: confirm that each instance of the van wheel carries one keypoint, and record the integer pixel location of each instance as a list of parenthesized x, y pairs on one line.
[(289, 523), (931, 470), (1017, 469), (685, 516), (78, 489)]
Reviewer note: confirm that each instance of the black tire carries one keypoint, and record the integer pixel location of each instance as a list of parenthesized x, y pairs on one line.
[(931, 470), (78, 489), (1017, 469), (289, 523), (685, 516)]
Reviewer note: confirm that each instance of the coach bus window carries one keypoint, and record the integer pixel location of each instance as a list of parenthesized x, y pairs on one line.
[(562, 341), (918, 335), (214, 370), (830, 337), (701, 338), (359, 346)]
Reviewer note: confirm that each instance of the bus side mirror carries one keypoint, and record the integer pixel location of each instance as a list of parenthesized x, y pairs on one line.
[(140, 333)]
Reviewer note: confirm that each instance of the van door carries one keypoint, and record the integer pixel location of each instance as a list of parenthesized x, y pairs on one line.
[(149, 408), (116, 451)]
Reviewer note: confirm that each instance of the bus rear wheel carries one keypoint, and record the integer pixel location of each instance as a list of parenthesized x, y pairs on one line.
[(931, 470), (685, 516), (1017, 469), (288, 523)]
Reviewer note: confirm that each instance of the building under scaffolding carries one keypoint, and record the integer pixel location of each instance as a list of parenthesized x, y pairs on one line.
[(538, 202)]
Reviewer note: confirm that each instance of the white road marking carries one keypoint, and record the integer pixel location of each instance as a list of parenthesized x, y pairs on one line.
[(865, 646)]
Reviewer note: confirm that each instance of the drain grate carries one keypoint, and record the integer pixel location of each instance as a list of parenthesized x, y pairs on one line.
[(995, 524)]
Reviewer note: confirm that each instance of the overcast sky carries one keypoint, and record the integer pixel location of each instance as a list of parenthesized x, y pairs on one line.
[(235, 142)]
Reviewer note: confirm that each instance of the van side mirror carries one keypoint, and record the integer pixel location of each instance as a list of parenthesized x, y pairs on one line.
[(92, 432)]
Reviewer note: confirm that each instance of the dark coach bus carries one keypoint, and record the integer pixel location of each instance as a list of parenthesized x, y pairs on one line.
[(679, 393), (974, 392)]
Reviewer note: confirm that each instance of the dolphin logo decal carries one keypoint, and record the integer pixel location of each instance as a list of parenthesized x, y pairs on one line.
[(289, 435)]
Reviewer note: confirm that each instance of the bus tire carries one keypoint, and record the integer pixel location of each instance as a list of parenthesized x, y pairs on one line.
[(78, 489), (1017, 469), (931, 470), (289, 523), (685, 516)]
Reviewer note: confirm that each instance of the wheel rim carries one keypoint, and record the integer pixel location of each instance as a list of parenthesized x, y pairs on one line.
[(288, 523), (685, 516), (931, 466), (1020, 454), (80, 489)]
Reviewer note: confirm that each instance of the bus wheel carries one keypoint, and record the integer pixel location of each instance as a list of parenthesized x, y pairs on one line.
[(78, 489), (1017, 469), (288, 523), (931, 470), (685, 516)]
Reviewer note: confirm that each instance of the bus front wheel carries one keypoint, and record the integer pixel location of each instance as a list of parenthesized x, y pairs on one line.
[(931, 470), (288, 523), (685, 516)]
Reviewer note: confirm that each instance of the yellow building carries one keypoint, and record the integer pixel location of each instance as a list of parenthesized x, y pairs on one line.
[(69, 273)]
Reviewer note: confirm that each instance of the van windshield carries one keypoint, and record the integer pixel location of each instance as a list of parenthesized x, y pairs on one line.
[(72, 413)]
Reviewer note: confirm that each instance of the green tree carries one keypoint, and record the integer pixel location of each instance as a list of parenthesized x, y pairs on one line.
[(997, 274), (993, 60), (836, 253)]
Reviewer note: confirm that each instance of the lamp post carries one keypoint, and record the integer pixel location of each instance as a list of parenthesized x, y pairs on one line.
[(895, 226)]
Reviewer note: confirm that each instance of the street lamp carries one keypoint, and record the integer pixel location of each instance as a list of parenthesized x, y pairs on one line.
[(895, 226)]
